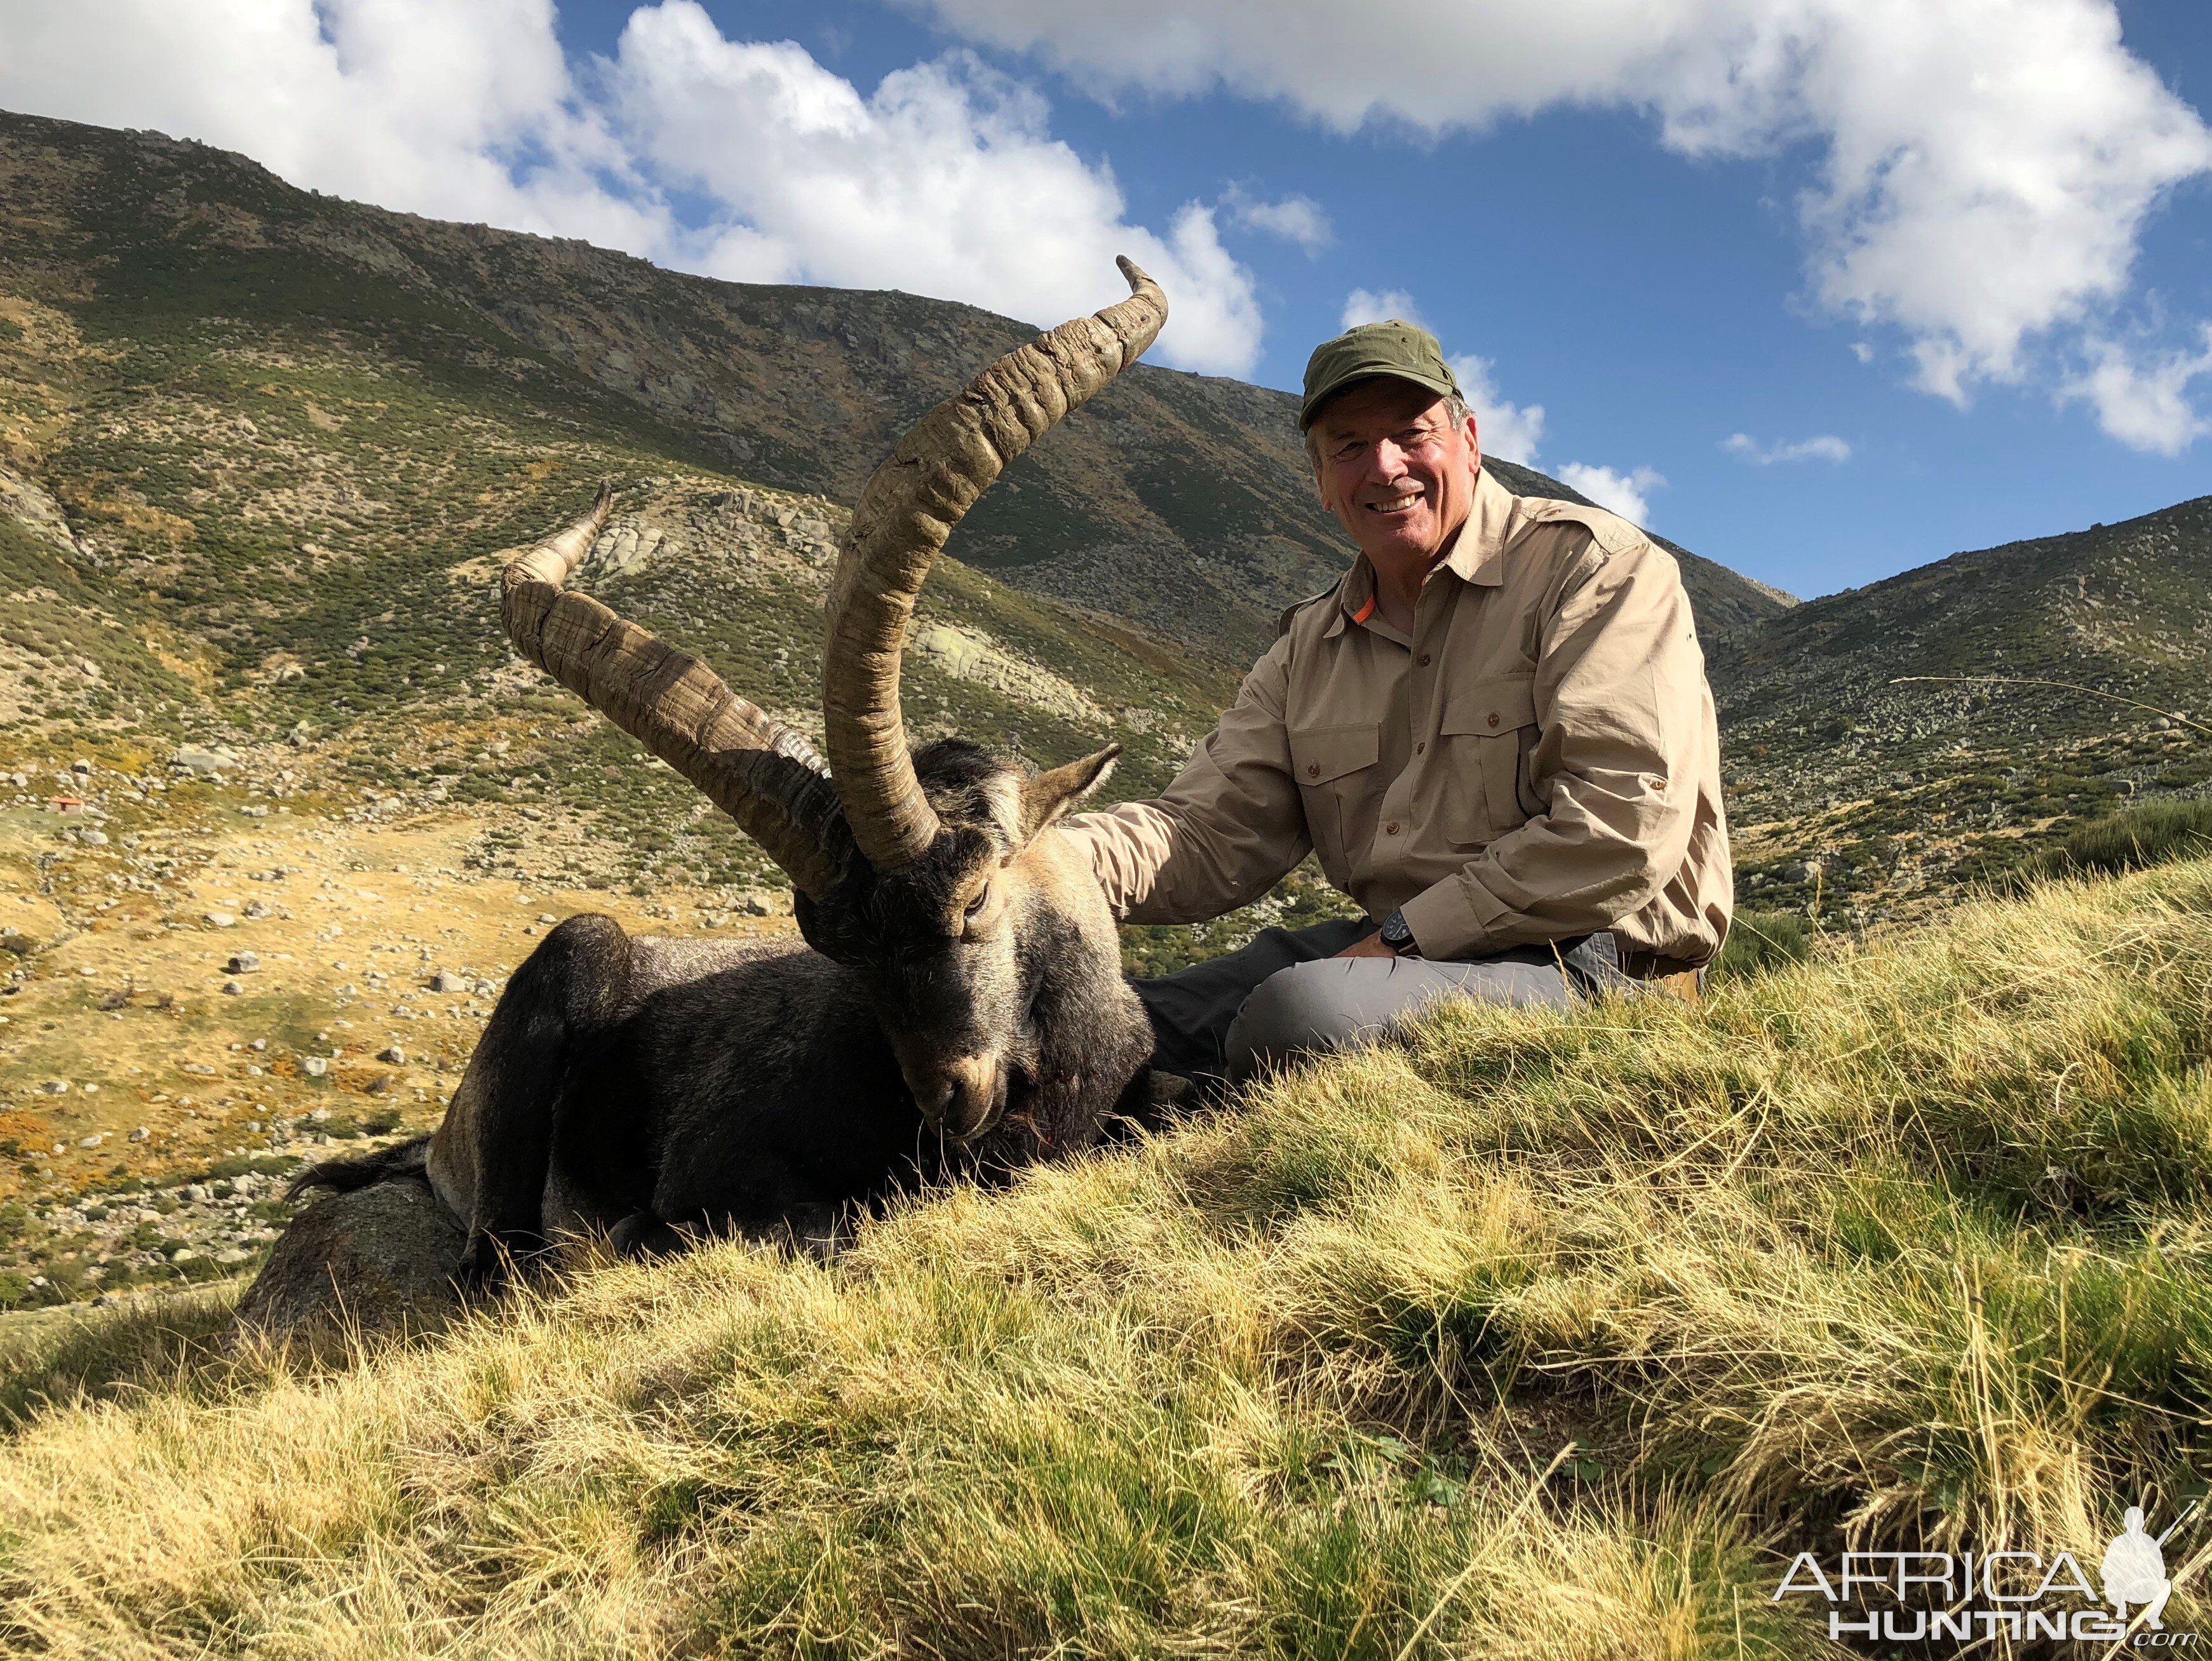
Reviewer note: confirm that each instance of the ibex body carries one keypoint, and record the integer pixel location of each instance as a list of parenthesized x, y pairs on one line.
[(961, 1009)]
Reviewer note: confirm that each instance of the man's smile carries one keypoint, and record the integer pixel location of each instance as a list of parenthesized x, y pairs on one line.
[(1398, 504)]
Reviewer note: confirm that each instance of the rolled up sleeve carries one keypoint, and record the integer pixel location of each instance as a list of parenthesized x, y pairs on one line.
[(1226, 831), (1621, 701)]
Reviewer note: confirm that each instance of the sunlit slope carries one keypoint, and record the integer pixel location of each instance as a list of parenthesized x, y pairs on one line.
[(1551, 1336)]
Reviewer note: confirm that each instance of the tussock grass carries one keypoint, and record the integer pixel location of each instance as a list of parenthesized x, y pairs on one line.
[(1537, 1337), (2148, 835)]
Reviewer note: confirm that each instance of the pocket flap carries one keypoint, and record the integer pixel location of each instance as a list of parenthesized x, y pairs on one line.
[(1499, 706), (1320, 754)]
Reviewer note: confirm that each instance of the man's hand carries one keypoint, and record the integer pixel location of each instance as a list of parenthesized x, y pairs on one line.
[(1367, 946)]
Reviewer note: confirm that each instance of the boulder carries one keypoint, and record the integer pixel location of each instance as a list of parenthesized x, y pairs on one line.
[(203, 760), (381, 1259)]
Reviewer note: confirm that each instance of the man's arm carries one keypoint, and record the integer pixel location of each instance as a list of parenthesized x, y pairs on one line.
[(1227, 830), (1621, 696)]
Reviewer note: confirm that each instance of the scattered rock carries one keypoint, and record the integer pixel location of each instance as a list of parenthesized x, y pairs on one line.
[(93, 1141), (244, 963), (393, 1054), (55, 1087), (313, 1066), (447, 981), (233, 989), (203, 762), (547, 917), (140, 1134), (382, 1259), (219, 919), (93, 839)]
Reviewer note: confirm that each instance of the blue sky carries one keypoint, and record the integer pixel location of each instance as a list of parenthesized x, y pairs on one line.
[(1830, 299)]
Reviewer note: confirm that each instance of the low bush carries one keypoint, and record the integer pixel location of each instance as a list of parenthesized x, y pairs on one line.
[(1758, 940)]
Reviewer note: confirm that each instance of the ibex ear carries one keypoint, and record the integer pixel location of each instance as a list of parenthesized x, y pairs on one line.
[(1051, 795)]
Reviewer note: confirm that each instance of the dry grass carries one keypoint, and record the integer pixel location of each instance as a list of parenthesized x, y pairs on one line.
[(1904, 1247)]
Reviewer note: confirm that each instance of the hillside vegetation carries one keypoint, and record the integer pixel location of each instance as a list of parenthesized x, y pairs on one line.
[(1544, 1335)]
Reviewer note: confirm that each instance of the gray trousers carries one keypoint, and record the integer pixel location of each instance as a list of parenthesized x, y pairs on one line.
[(1288, 994)]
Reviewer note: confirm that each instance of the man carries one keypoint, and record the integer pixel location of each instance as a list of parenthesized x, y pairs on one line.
[(1494, 732)]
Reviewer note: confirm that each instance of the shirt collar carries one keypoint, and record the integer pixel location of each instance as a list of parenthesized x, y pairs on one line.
[(1477, 554)]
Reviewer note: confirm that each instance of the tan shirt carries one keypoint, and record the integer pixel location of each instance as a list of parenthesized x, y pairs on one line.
[(1540, 760)]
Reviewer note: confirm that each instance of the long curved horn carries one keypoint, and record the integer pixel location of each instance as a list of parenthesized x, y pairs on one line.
[(762, 773), (905, 512)]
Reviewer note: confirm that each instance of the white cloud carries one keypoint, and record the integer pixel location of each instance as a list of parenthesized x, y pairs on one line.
[(1825, 447), (944, 181), (1298, 219), (1625, 494), (1983, 168), (1366, 305), (1511, 432), (2145, 404), (1862, 351)]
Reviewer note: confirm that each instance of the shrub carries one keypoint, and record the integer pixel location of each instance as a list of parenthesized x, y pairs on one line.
[(1758, 940)]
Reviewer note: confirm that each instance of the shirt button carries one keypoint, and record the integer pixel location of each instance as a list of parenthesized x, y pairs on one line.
[(1493, 717), (1423, 660), (1390, 829), (1313, 769)]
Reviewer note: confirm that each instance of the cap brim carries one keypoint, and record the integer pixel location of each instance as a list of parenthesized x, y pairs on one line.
[(1367, 370)]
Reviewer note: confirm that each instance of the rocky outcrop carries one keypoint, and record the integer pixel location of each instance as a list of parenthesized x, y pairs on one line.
[(381, 1260)]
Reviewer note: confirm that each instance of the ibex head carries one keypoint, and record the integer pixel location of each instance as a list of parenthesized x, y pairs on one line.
[(924, 871)]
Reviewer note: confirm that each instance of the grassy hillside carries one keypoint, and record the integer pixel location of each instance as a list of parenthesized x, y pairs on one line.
[(1178, 502), (1546, 1336), (1950, 723)]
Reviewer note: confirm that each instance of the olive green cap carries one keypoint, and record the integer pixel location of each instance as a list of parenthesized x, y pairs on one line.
[(1403, 349)]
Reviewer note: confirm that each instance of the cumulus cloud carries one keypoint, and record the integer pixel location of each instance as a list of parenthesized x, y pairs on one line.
[(1512, 432), (2143, 400), (1298, 219), (943, 181), (1825, 447), (1370, 305), (1981, 173), (1625, 494)]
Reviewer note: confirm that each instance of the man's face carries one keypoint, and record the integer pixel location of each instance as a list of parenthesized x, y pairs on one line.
[(1396, 470)]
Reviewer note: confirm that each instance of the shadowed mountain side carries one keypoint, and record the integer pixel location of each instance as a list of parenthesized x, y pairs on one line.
[(1178, 502)]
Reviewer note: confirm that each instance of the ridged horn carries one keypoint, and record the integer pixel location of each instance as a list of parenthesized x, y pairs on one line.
[(762, 773), (905, 512)]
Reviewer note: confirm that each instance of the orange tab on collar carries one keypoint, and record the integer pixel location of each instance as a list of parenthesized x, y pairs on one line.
[(1365, 611)]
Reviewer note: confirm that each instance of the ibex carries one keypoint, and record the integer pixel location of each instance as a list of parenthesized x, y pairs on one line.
[(961, 1007)]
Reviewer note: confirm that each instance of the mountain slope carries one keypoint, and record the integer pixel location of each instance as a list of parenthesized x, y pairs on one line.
[(1176, 501), (1909, 731)]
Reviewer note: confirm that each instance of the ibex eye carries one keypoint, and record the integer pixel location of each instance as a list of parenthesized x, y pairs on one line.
[(975, 905)]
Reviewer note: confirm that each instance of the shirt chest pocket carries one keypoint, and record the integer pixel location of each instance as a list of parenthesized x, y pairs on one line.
[(1335, 770), (1481, 788)]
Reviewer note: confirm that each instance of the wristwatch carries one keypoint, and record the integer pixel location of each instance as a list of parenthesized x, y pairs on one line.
[(1398, 937)]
